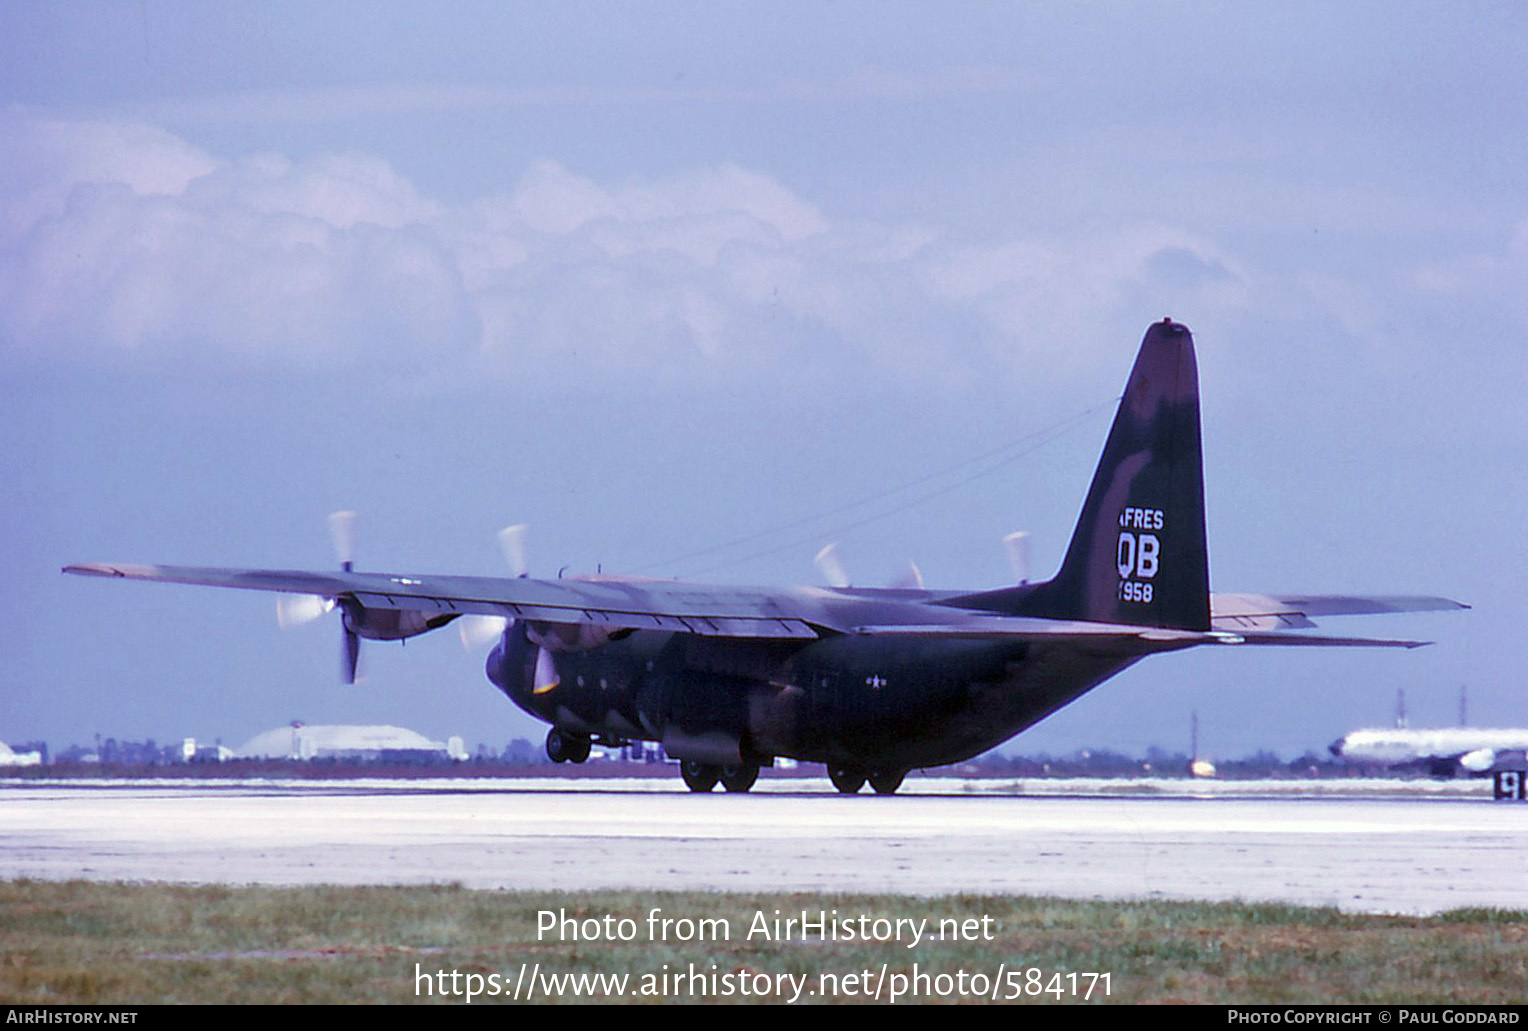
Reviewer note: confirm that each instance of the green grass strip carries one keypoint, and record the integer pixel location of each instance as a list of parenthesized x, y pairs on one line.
[(105, 943)]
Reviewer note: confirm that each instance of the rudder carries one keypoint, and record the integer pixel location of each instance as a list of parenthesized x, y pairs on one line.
[(1139, 554)]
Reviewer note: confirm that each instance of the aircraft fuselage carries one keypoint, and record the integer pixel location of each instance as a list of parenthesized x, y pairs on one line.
[(843, 700)]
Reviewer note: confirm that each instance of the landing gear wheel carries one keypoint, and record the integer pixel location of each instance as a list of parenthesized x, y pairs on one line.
[(562, 747), (739, 778), (699, 776), (886, 782), (847, 779), (556, 746)]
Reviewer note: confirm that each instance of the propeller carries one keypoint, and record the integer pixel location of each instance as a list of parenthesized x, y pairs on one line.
[(351, 657), (546, 673), (297, 609), (831, 566), (512, 544), (1017, 546), (342, 533), (477, 631), (837, 575)]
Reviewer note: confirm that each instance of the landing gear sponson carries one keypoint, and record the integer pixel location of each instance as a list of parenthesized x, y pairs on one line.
[(565, 747)]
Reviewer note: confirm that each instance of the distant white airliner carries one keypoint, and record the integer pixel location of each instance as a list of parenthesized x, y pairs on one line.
[(1445, 752)]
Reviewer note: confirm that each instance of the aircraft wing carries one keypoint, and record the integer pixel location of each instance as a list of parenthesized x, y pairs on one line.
[(1235, 613), (615, 603), (744, 612)]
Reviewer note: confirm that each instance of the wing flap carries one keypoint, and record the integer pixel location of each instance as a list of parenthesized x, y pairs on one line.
[(689, 622), (1033, 628)]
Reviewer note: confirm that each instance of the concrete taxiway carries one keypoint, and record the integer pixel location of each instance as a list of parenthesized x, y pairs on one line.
[(1403, 855)]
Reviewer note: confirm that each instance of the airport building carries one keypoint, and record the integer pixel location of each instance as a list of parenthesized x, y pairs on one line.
[(375, 744)]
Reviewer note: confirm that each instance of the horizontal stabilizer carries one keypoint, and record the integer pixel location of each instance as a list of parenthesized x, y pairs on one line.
[(1021, 628), (1317, 640), (1238, 612)]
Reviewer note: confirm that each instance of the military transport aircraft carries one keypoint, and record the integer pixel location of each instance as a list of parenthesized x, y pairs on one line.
[(872, 682)]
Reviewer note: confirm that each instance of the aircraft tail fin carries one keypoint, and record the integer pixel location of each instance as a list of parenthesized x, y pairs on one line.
[(1138, 554)]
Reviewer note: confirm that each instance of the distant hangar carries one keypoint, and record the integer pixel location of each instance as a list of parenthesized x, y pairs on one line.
[(379, 743)]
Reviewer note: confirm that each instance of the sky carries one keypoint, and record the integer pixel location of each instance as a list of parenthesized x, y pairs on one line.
[(693, 289)]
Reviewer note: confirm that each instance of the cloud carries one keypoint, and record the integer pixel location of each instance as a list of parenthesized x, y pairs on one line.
[(126, 239), (1047, 298), (44, 159), (1490, 277), (339, 190)]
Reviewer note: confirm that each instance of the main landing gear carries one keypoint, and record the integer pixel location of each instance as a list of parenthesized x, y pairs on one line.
[(702, 777), (562, 747), (849, 779)]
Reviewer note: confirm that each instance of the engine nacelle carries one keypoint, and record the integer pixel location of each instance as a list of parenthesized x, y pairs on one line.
[(389, 624), (1478, 761), (572, 637)]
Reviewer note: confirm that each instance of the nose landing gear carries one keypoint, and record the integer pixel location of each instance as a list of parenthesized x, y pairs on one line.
[(562, 747)]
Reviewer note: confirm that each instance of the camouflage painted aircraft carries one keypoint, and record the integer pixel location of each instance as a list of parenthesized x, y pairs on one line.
[(871, 682)]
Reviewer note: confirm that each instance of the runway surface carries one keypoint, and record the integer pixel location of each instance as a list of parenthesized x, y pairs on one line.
[(1401, 855)]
